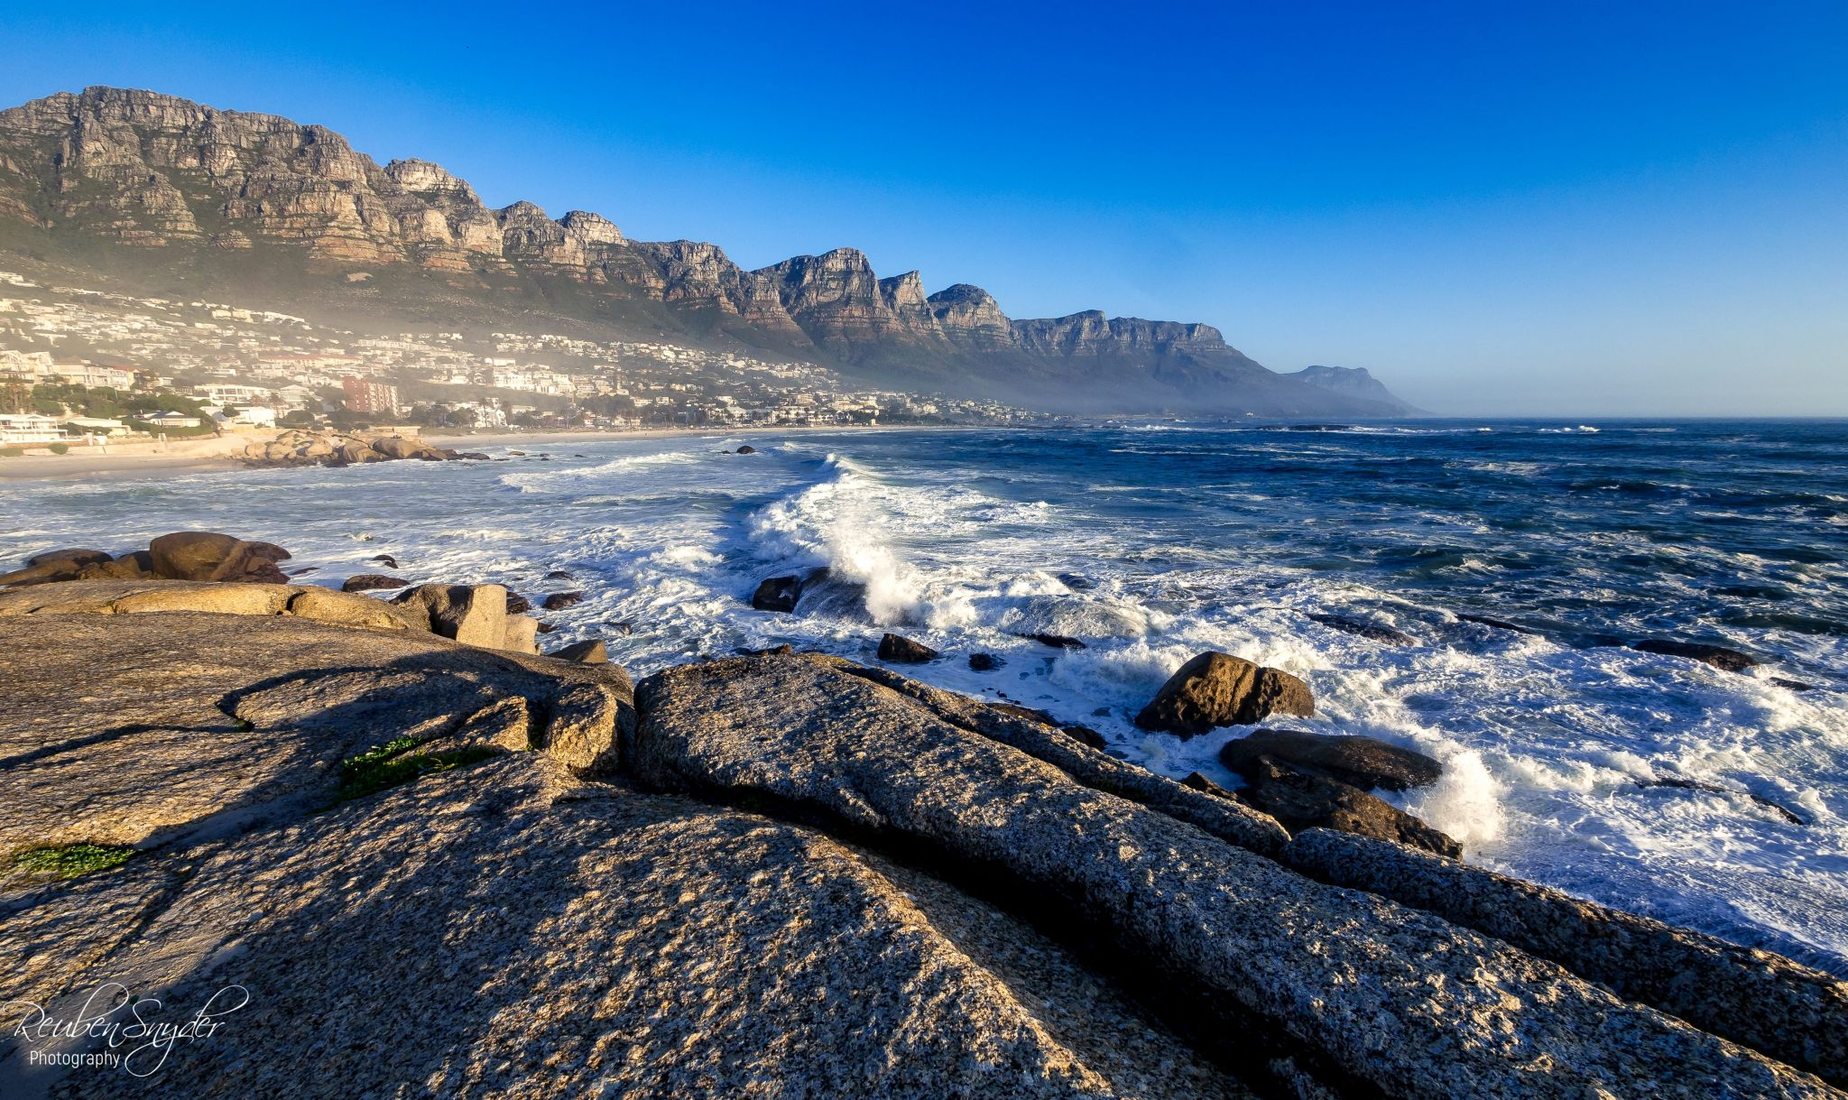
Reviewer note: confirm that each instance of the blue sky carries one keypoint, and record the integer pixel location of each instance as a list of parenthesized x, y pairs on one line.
[(1562, 208)]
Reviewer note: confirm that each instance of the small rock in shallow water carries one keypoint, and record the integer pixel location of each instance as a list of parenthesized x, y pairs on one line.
[(777, 594), (1719, 656), (1218, 689), (1361, 761), (371, 582), (1679, 784), (590, 652), (902, 650), (1373, 632), (1301, 800), (1499, 624)]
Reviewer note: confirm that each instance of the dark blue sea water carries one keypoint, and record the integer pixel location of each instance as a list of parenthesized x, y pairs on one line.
[(1152, 542)]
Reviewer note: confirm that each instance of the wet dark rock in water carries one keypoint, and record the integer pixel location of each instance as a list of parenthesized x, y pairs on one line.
[(1499, 624), (778, 594), (559, 601), (984, 662), (1373, 632), (372, 582), (1680, 784), (1056, 641), (1719, 656), (1303, 800), (902, 650), (385, 560), (1077, 582), (518, 604), (1200, 782), (1218, 689), (1361, 761), (1792, 685)]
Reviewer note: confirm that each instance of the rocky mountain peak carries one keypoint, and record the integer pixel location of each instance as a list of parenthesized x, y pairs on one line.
[(594, 228), (903, 291), (432, 181)]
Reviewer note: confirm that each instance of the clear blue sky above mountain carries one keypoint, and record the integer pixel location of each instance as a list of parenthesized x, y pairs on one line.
[(1571, 208)]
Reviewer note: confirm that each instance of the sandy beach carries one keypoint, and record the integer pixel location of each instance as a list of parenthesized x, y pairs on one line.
[(147, 458), (133, 458)]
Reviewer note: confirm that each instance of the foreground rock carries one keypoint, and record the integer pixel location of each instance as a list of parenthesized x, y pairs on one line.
[(1766, 1001), (210, 723), (460, 612), (1390, 997), (1218, 689), (792, 876), (180, 556), (211, 556)]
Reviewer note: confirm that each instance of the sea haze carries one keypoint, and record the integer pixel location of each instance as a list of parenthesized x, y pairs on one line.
[(1155, 541)]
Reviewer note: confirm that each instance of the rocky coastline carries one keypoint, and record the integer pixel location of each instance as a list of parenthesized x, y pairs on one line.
[(435, 860), (308, 447)]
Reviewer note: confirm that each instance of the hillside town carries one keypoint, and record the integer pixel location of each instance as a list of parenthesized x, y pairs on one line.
[(83, 365)]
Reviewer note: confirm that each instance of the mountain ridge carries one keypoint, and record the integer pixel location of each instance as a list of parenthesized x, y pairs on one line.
[(156, 179)]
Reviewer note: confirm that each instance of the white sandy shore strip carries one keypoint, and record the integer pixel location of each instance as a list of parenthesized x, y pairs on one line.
[(143, 458)]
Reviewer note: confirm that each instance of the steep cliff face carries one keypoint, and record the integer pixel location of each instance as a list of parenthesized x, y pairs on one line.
[(163, 176)]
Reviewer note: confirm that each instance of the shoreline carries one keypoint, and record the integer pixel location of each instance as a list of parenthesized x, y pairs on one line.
[(215, 453)]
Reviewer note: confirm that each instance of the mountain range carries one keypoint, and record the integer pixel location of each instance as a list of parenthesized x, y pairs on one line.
[(169, 194)]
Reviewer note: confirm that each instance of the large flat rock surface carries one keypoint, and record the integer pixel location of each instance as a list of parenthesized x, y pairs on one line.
[(132, 728), (509, 930)]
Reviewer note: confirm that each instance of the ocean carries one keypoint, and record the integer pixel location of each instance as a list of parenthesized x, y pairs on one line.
[(1152, 542)]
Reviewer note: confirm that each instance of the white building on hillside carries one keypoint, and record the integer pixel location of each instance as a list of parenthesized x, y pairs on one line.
[(18, 428)]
